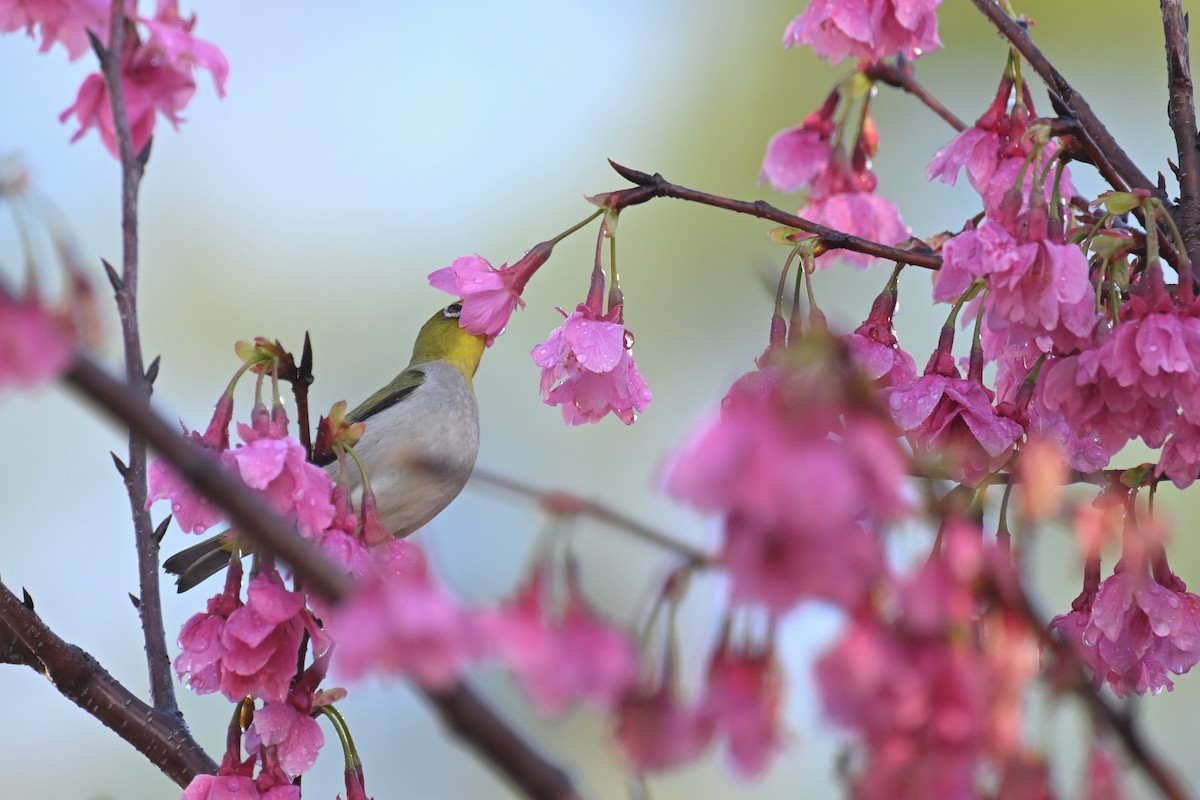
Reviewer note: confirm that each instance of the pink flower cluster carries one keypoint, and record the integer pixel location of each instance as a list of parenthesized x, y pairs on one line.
[(868, 30), (740, 705), (36, 343), (840, 181), (1136, 626), (801, 481), (158, 60)]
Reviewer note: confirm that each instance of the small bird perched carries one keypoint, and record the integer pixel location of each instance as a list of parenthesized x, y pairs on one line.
[(419, 447)]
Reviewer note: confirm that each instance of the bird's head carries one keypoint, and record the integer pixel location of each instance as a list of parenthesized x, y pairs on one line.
[(441, 339)]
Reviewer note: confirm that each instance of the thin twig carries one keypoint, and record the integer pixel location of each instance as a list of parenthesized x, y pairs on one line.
[(160, 736), (564, 503), (158, 663), (902, 76), (1181, 111), (652, 186)]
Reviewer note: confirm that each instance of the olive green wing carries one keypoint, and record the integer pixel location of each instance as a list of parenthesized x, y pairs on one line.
[(401, 387)]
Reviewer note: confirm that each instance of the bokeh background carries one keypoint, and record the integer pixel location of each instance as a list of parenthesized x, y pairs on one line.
[(363, 145)]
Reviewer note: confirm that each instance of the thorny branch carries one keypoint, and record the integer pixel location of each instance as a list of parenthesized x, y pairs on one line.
[(161, 736), (158, 663)]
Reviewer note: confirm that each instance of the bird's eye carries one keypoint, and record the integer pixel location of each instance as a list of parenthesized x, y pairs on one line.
[(453, 311)]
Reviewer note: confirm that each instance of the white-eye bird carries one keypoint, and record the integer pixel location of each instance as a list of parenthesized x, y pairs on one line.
[(419, 447)]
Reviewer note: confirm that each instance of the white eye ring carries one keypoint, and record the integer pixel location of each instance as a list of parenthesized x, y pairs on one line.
[(452, 311)]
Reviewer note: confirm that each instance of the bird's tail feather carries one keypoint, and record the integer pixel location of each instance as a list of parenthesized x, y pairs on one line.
[(198, 562)]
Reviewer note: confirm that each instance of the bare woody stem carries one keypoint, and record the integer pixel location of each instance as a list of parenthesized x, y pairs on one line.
[(559, 502), (158, 663), (460, 708), (1181, 111), (652, 186), (902, 76), (161, 736)]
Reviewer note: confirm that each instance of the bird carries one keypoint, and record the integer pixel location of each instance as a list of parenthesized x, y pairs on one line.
[(419, 446)]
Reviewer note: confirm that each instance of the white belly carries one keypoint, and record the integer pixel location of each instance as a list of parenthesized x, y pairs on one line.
[(419, 453)]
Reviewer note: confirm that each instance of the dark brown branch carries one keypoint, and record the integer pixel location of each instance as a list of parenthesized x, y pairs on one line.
[(472, 720), (1181, 111), (1072, 102), (158, 663), (902, 76), (558, 501), (160, 736), (652, 186)]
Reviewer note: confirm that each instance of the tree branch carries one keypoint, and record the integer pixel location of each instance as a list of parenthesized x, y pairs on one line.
[(472, 720), (465, 713), (901, 75), (160, 736), (652, 186), (1181, 111), (158, 663)]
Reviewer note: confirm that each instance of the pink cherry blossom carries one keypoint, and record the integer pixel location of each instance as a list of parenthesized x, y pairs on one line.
[(742, 702), (156, 78), (193, 512), (261, 640), (866, 29), (1180, 459), (65, 22), (295, 735), (560, 655), (867, 216), (918, 704), (277, 465), (875, 348), (400, 621), (201, 638), (953, 419), (36, 344), (657, 733), (588, 368), (796, 156), (489, 295), (225, 787)]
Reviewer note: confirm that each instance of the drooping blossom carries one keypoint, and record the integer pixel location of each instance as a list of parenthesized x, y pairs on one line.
[(561, 653), (1138, 624), (277, 465), (36, 343), (875, 348), (261, 639), (862, 214), (587, 364), (952, 419), (400, 621), (741, 704), (489, 295), (289, 727), (799, 477), (656, 732), (201, 640), (193, 512), (156, 78), (64, 22), (796, 156), (868, 30)]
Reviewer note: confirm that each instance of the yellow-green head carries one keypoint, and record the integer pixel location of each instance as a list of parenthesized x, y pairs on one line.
[(441, 339)]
